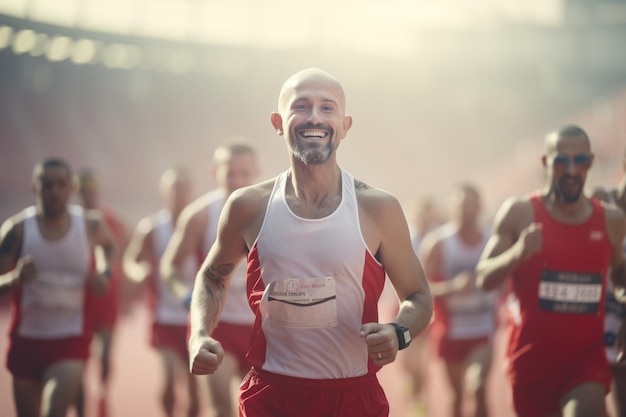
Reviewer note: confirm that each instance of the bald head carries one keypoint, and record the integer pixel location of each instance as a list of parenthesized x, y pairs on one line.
[(307, 78), (176, 187), (563, 134)]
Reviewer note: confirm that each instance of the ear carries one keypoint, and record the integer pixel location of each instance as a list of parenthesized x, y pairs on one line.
[(33, 187), (544, 161), (347, 124), (593, 158), (277, 122)]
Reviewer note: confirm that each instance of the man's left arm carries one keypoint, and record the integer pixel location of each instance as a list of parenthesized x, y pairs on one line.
[(407, 275)]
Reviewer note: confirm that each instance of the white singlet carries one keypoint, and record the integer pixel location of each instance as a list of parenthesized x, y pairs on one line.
[(52, 305)]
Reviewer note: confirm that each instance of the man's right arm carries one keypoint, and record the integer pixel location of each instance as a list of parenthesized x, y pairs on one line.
[(211, 286), (13, 270), (505, 250)]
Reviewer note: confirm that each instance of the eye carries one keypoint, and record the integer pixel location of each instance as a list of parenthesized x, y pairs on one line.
[(582, 160), (561, 160)]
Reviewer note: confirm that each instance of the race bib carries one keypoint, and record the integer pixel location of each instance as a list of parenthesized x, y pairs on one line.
[(570, 292), (309, 303)]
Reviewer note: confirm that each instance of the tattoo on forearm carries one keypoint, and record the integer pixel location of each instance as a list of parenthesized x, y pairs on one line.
[(214, 285), (216, 275)]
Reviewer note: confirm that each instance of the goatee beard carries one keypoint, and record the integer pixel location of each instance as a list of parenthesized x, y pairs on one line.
[(561, 196)]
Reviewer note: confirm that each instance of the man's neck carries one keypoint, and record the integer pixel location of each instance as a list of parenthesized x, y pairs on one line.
[(313, 191), (574, 212), (53, 225)]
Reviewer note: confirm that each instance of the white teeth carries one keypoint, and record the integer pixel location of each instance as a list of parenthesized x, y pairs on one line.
[(313, 133)]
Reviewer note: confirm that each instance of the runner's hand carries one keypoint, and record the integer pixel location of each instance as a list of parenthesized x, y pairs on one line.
[(205, 355), (531, 240), (26, 269), (381, 341)]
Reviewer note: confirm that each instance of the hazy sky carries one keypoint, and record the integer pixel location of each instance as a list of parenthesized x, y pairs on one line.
[(380, 26)]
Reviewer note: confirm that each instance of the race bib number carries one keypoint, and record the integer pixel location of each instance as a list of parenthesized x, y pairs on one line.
[(309, 303), (570, 292)]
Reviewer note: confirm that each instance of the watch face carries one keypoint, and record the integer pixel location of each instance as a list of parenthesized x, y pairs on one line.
[(404, 336), (407, 336)]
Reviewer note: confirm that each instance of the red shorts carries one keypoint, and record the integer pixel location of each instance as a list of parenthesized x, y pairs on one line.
[(542, 398), (265, 394), (30, 358), (172, 337), (235, 340), (458, 350)]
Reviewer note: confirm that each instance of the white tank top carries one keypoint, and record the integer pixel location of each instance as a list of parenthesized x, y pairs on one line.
[(470, 315), (236, 309), (52, 305), (319, 284), (169, 309)]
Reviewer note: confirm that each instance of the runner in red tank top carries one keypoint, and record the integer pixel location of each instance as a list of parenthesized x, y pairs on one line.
[(556, 246)]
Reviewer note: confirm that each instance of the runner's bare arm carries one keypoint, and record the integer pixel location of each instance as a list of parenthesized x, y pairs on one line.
[(211, 287), (387, 235), (138, 261), (13, 270), (512, 241)]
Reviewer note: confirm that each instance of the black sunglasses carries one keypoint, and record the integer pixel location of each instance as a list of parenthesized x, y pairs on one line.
[(582, 160)]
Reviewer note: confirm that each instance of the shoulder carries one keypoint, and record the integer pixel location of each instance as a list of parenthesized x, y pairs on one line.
[(13, 226), (251, 198), (516, 207), (374, 199), (602, 193), (514, 215), (613, 214)]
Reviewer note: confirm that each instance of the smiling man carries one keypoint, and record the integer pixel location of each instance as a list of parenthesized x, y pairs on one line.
[(556, 246), (318, 244)]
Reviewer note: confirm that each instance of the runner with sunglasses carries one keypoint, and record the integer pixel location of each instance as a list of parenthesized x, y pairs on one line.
[(555, 246)]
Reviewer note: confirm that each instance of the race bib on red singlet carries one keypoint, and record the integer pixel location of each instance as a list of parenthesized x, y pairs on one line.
[(309, 303), (570, 292)]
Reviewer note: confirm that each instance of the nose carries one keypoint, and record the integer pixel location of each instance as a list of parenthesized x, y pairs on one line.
[(571, 166), (314, 115)]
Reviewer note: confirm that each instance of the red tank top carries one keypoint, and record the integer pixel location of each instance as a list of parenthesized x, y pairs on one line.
[(560, 292)]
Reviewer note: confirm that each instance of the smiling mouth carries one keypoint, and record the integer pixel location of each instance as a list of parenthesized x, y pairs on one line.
[(313, 134)]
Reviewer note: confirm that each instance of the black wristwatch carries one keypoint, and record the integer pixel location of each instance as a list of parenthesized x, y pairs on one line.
[(404, 336)]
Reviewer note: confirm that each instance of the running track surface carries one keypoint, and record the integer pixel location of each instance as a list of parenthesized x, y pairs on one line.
[(136, 376)]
